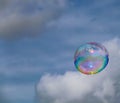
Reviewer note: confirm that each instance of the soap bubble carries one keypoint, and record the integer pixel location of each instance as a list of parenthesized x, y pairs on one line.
[(91, 58)]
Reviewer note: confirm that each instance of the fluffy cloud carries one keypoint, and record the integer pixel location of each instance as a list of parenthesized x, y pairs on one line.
[(73, 87), (27, 17)]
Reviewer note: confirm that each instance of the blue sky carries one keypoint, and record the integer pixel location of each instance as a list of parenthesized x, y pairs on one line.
[(38, 39)]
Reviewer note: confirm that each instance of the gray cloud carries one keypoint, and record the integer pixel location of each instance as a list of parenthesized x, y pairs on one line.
[(25, 18), (3, 4), (73, 87)]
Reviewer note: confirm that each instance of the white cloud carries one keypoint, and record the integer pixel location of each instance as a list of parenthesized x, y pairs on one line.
[(75, 87), (28, 17), (107, 90)]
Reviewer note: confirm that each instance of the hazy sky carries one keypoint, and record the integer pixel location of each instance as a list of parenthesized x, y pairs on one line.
[(38, 39)]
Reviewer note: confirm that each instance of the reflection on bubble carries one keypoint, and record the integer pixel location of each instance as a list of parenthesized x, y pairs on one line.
[(91, 58)]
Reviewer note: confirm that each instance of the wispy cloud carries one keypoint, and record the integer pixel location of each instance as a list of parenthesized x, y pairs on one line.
[(96, 18), (16, 93)]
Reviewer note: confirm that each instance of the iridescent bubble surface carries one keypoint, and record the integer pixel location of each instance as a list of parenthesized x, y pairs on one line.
[(91, 58)]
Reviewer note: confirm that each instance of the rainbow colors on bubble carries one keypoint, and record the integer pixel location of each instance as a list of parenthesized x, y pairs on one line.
[(91, 58)]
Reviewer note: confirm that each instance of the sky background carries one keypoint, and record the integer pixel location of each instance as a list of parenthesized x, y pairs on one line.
[(38, 39)]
